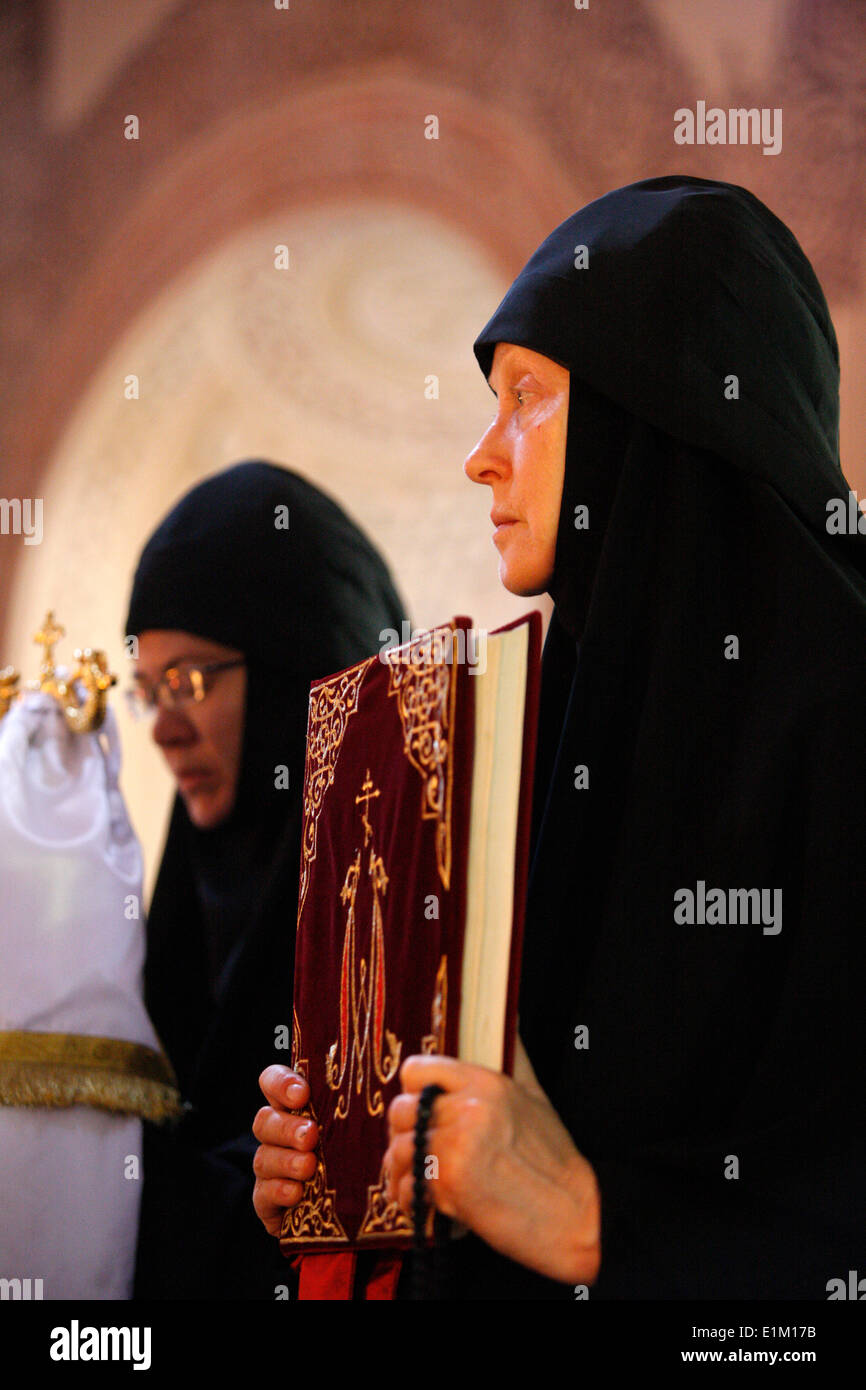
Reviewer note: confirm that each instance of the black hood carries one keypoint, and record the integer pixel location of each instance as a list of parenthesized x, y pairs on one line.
[(256, 558)]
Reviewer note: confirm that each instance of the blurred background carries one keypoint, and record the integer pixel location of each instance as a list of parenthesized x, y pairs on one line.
[(309, 125)]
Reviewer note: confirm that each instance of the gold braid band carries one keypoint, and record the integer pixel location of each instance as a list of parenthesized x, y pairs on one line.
[(60, 1069)]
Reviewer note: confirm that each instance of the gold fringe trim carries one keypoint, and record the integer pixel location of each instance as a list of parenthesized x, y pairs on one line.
[(62, 1069)]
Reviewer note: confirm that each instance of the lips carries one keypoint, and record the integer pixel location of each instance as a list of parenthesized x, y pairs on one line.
[(192, 777), (503, 522)]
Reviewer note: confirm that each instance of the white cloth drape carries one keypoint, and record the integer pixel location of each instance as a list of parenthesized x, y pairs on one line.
[(71, 956)]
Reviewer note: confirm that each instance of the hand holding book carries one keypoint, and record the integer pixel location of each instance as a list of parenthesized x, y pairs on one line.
[(505, 1166), (417, 799), (285, 1159)]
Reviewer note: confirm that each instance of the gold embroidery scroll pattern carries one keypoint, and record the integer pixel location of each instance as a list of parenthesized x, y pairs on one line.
[(331, 706), (423, 682), (361, 1051), (383, 1218), (315, 1217), (299, 1063)]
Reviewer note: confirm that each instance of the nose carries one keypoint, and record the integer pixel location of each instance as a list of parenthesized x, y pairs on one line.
[(171, 727), (488, 460)]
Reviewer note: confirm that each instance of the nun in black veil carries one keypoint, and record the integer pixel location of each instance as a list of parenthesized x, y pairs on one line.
[(686, 1120), (254, 584)]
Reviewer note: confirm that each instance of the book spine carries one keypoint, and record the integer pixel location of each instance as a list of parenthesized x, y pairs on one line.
[(462, 733)]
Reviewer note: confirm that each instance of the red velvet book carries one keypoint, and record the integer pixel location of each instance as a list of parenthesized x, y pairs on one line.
[(417, 806)]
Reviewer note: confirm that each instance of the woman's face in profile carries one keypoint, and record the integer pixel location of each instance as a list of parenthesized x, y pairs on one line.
[(201, 740), (521, 456)]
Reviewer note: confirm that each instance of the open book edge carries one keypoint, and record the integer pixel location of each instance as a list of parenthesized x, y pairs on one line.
[(500, 707)]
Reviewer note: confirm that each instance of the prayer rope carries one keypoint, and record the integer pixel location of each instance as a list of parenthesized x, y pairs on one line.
[(422, 1266)]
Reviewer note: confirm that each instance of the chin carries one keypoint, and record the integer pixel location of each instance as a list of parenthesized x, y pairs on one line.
[(523, 583), (207, 812)]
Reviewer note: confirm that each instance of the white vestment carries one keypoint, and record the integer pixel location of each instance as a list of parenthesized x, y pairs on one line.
[(71, 956)]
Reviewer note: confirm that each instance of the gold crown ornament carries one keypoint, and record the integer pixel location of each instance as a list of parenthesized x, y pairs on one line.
[(82, 714)]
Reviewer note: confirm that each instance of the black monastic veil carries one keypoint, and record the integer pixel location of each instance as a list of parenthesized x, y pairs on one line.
[(300, 600), (703, 437)]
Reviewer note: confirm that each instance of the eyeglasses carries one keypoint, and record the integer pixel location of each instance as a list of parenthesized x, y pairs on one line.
[(176, 686)]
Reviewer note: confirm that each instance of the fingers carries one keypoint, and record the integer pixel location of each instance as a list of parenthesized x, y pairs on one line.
[(270, 1199), (271, 1162), (398, 1163), (403, 1109), (405, 1194), (282, 1163), (284, 1088), (429, 1069), (285, 1130), (284, 1160), (400, 1184), (403, 1112)]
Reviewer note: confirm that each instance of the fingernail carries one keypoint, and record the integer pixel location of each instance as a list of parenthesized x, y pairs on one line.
[(303, 1129)]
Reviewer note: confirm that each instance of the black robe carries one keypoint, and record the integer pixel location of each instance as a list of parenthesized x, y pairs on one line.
[(300, 600), (720, 1097)]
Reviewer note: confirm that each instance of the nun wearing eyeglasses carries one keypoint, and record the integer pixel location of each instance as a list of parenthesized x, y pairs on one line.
[(253, 585)]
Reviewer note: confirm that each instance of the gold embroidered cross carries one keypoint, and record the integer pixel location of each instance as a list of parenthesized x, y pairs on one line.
[(366, 787)]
